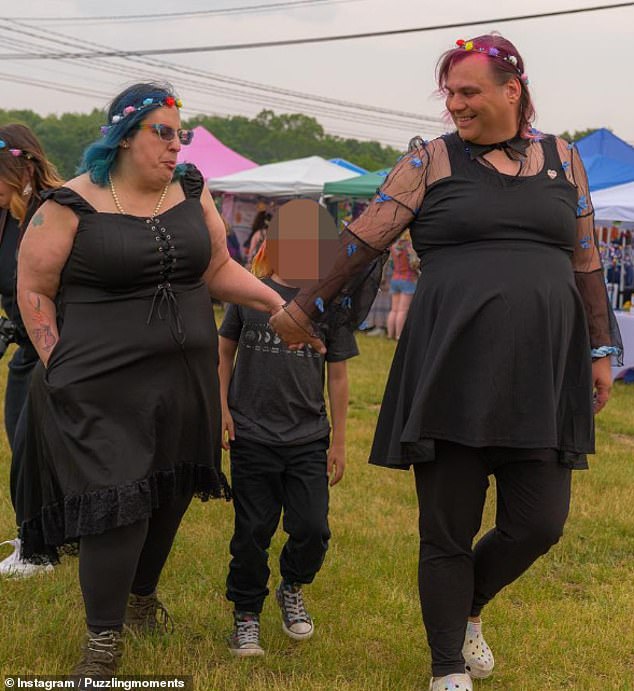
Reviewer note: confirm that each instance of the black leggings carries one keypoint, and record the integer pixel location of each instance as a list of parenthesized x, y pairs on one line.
[(457, 579), (124, 560)]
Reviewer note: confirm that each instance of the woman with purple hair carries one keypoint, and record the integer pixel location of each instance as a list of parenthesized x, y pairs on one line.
[(507, 339)]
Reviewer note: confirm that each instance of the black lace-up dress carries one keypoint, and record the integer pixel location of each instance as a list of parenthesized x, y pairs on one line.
[(127, 412)]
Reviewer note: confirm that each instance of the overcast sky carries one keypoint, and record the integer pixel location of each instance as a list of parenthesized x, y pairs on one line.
[(577, 64)]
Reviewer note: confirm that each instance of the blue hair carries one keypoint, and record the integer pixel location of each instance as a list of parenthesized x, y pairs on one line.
[(99, 157)]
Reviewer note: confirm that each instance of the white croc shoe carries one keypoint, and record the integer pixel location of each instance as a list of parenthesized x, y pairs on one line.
[(451, 682), (478, 657), (16, 567)]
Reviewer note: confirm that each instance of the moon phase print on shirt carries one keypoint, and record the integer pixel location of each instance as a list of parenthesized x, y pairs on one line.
[(261, 338)]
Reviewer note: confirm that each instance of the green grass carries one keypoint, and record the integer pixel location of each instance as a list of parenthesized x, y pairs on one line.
[(567, 624)]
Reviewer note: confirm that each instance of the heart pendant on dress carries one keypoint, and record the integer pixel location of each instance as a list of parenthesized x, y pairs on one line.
[(552, 174)]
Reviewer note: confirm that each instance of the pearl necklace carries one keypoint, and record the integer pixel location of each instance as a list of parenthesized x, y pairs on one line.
[(120, 209)]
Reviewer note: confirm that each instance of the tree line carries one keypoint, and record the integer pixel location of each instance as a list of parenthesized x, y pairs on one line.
[(266, 138)]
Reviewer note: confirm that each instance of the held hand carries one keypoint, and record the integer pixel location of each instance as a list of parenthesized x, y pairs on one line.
[(227, 433), (336, 464), (293, 333), (602, 382)]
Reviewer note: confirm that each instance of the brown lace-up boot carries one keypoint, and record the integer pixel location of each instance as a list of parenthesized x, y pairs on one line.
[(101, 655), (146, 614)]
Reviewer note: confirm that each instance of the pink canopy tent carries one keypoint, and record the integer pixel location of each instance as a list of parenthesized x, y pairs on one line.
[(212, 157)]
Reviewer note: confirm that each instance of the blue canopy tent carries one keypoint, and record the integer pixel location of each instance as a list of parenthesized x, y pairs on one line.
[(610, 165), (350, 166), (609, 160)]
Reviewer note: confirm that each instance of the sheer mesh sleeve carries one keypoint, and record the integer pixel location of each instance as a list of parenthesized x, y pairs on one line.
[(587, 263), (363, 243)]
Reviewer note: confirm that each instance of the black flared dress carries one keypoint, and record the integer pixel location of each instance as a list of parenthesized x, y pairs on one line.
[(127, 412), (496, 350)]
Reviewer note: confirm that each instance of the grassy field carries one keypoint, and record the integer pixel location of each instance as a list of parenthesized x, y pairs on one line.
[(567, 624)]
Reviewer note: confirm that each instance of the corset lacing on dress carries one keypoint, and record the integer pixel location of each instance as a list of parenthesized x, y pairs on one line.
[(164, 301)]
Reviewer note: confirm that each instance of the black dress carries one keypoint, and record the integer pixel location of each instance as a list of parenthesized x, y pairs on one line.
[(496, 350), (127, 412)]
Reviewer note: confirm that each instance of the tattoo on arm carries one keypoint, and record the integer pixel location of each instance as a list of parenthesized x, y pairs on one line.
[(38, 219), (44, 337)]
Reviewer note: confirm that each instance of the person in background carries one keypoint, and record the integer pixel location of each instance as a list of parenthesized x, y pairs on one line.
[(257, 236), (505, 358), (25, 175), (275, 425), (405, 265), (375, 324), (233, 244)]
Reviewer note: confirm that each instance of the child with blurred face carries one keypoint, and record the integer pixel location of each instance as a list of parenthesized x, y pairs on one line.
[(275, 425)]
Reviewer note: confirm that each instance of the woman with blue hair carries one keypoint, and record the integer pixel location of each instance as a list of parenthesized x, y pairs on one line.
[(114, 281)]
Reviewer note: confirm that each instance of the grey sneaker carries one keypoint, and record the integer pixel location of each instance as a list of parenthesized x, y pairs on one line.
[(296, 622), (245, 639)]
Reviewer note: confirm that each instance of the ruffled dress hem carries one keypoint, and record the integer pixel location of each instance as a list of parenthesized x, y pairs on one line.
[(59, 526)]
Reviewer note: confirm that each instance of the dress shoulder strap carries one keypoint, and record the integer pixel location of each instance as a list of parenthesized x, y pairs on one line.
[(455, 150), (192, 182), (551, 155), (67, 197)]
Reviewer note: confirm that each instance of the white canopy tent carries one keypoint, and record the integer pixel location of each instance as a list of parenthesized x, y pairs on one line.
[(301, 177), (614, 204)]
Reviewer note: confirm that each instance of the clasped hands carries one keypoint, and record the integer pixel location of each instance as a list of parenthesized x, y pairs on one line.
[(294, 328)]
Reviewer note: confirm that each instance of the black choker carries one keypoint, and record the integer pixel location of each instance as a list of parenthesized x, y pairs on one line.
[(517, 145)]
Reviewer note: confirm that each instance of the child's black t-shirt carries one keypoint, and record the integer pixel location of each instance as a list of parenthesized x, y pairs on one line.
[(276, 395)]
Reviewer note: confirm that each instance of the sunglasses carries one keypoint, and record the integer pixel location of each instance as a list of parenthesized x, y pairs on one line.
[(166, 133)]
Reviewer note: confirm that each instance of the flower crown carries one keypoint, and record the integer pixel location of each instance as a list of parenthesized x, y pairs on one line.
[(168, 101), (14, 152), (493, 53)]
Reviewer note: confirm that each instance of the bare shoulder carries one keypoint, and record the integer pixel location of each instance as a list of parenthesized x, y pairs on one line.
[(97, 196), (52, 217), (81, 184), (48, 239)]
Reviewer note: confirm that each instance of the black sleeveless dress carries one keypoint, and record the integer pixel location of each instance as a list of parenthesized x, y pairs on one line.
[(495, 351), (127, 413)]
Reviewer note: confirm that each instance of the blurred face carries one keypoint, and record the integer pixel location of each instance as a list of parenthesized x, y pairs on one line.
[(483, 111), (301, 243), (6, 193), (153, 158)]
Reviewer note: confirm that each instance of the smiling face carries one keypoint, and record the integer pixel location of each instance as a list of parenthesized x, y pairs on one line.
[(483, 111), (151, 157)]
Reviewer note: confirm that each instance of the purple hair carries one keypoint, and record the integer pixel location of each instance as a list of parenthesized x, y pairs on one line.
[(498, 49)]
